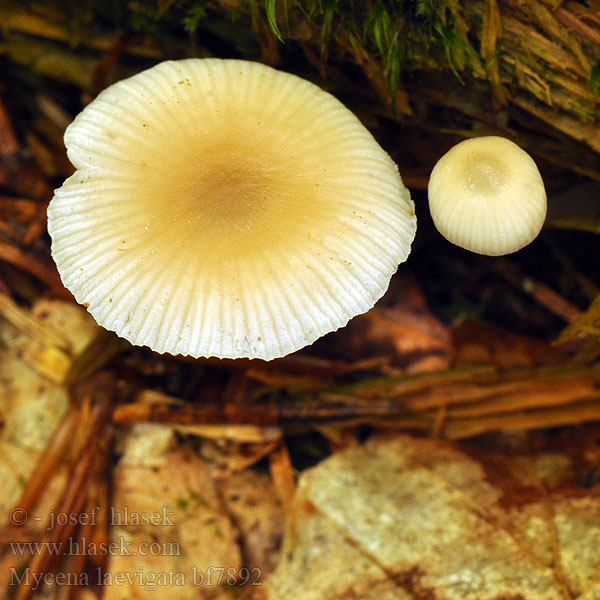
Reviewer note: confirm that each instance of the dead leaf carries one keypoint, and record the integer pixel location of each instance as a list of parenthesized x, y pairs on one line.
[(225, 457), (251, 500), (54, 336), (31, 407), (481, 343), (405, 518), (189, 544), (400, 327)]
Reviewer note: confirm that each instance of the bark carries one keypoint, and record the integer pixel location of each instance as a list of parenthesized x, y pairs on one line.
[(528, 69)]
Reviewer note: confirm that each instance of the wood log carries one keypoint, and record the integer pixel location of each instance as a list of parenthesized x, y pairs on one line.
[(528, 70)]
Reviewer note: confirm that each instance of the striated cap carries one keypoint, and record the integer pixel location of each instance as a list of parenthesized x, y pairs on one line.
[(486, 195), (223, 208)]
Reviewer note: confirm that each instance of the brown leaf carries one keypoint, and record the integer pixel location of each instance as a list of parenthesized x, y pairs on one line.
[(191, 536), (481, 343), (400, 327), (251, 501), (225, 457), (404, 518)]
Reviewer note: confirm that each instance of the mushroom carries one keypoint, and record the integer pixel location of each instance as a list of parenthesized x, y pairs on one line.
[(486, 195), (224, 208)]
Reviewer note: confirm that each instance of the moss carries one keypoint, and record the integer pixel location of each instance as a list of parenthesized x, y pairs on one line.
[(400, 36), (385, 29), (390, 41), (271, 11), (439, 19)]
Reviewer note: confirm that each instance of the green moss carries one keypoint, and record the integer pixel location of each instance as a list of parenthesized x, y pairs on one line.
[(441, 19), (594, 79), (401, 36), (182, 503), (385, 29), (271, 10)]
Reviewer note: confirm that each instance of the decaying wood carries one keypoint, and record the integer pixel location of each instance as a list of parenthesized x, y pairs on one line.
[(535, 63), (545, 56), (472, 400), (532, 58)]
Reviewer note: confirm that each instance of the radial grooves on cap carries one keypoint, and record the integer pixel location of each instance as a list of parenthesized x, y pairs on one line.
[(339, 221), (270, 320), (153, 296)]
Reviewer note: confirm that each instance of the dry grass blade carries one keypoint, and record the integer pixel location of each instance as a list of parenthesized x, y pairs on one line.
[(535, 384), (194, 414), (280, 466), (86, 434), (537, 419), (385, 387), (34, 25), (73, 502), (100, 350), (30, 325), (49, 461), (547, 297), (587, 323)]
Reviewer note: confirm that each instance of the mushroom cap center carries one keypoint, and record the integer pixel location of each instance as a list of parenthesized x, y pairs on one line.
[(484, 175), (241, 195), (230, 193)]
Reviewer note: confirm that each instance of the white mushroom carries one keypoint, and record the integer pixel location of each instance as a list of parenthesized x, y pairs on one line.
[(486, 195), (223, 208)]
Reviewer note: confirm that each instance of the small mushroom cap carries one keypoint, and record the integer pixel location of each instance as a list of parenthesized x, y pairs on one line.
[(223, 208), (486, 195)]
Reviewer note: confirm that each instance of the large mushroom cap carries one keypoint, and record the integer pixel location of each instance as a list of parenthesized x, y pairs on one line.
[(223, 208), (486, 195)]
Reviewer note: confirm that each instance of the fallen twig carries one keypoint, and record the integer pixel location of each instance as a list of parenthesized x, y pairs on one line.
[(476, 394)]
